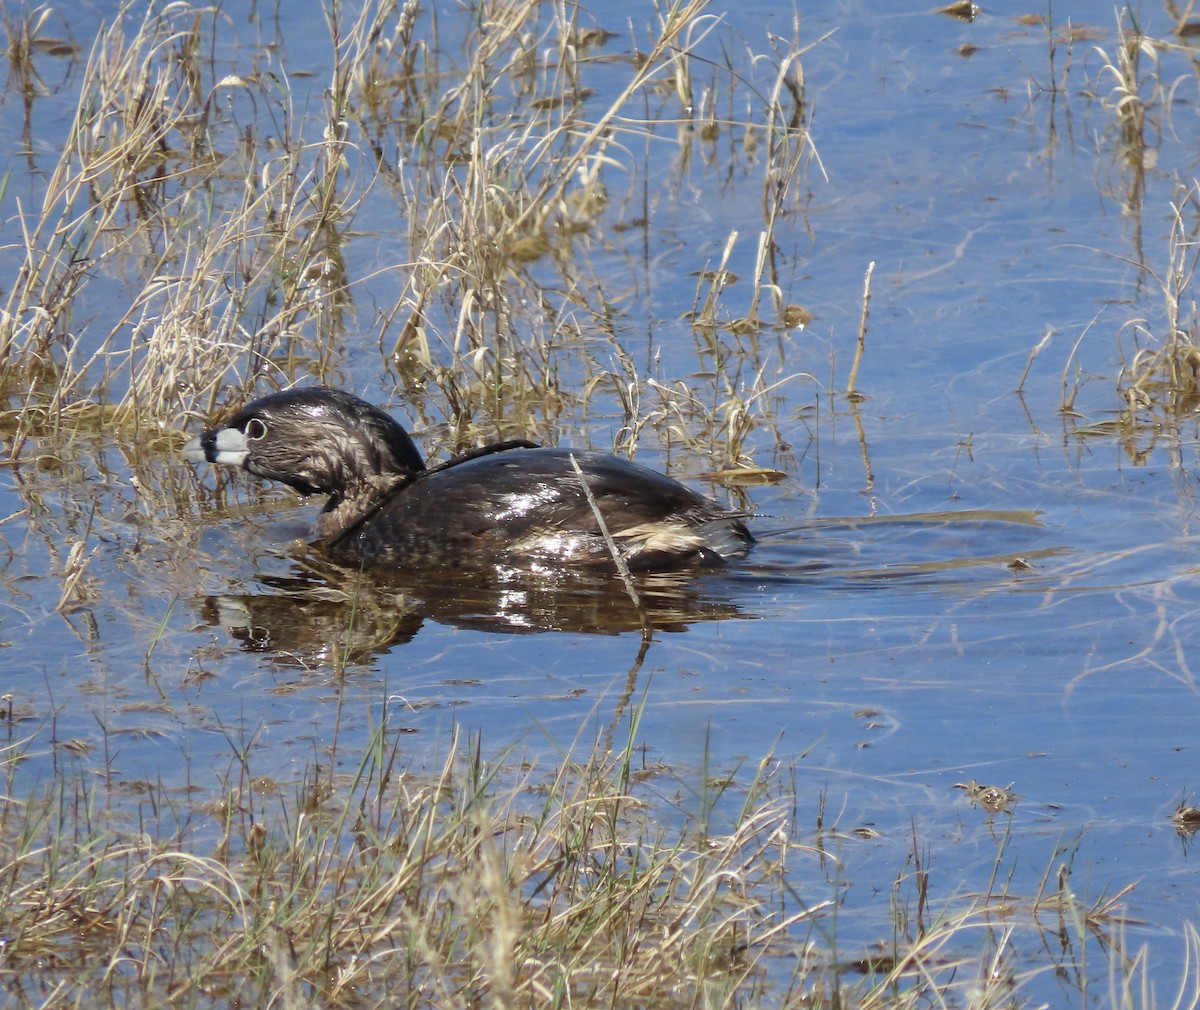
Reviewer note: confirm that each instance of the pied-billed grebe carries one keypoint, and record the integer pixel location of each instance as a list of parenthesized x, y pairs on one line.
[(510, 503)]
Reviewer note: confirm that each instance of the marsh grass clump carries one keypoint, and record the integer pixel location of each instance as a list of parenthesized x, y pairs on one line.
[(390, 887), (1134, 99), (441, 213), (1163, 375), (478, 880), (228, 240), (1158, 381), (1186, 817), (503, 308)]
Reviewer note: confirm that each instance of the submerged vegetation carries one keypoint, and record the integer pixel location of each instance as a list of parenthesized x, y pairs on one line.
[(462, 211)]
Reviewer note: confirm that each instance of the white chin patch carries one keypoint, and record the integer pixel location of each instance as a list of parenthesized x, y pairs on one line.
[(227, 447)]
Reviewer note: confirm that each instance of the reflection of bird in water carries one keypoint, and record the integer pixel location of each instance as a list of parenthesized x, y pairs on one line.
[(504, 504), (303, 623), (309, 615)]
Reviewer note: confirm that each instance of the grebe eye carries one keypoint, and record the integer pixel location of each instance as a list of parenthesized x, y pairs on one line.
[(256, 430)]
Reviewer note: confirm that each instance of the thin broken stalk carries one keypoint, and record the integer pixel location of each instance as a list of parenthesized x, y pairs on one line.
[(851, 389), (622, 568)]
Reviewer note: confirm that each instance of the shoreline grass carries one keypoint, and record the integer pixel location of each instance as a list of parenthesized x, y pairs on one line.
[(487, 880)]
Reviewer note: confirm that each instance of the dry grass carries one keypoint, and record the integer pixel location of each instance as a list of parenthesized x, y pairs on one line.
[(149, 188), (231, 216), (1163, 374), (475, 882), (1158, 379), (391, 888)]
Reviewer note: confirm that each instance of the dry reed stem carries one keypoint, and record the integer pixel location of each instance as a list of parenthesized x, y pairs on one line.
[(618, 561), (861, 346)]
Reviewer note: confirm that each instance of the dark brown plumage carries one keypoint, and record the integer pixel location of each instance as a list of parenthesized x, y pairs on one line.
[(510, 503)]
